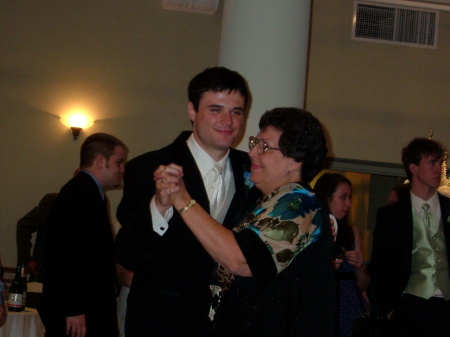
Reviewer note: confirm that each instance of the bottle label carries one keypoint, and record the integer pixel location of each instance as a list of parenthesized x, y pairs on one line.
[(15, 300)]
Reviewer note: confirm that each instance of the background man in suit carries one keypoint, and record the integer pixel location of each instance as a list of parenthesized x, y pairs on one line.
[(35, 221), (170, 294), (79, 295), (409, 266)]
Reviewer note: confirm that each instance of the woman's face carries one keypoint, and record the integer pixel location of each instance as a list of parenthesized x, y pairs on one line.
[(270, 169), (341, 201)]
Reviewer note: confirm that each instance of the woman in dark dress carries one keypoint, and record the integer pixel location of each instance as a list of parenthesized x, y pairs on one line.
[(351, 275), (275, 264)]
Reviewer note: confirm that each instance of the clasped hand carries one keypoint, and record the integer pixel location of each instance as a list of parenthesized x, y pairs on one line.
[(353, 257), (170, 188)]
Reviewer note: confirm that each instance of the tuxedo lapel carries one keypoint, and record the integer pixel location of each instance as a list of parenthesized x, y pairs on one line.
[(404, 218), (244, 196), (237, 167)]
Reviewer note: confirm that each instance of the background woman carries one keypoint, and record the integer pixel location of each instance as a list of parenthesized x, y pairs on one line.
[(277, 258), (399, 192), (352, 278)]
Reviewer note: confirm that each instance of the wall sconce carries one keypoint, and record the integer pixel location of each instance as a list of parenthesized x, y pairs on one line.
[(76, 122), (75, 132)]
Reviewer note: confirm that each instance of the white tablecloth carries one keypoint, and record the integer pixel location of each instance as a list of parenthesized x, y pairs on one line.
[(22, 324)]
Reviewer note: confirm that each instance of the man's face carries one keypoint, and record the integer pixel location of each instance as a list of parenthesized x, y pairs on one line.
[(428, 172), (218, 121), (114, 168)]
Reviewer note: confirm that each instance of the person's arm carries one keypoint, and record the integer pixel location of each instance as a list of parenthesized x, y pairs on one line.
[(124, 276), (160, 217), (218, 241), (33, 221), (356, 258), (336, 260), (138, 187)]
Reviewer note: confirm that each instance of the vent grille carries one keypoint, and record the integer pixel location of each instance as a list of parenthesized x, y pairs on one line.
[(395, 25), (194, 6)]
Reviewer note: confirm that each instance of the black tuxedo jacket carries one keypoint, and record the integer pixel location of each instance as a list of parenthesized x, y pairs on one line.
[(174, 264), (390, 265), (79, 260)]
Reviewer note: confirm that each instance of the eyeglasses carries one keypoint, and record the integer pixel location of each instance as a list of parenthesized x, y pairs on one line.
[(261, 145)]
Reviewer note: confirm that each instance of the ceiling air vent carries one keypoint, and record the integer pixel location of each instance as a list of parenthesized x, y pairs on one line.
[(395, 25), (194, 6)]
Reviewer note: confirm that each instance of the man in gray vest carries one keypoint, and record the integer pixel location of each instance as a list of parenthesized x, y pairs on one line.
[(409, 266)]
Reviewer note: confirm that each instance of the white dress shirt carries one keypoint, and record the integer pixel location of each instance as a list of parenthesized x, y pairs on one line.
[(205, 163), (435, 207)]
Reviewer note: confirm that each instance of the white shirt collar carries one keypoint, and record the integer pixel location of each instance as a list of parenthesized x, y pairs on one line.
[(417, 204), (204, 161)]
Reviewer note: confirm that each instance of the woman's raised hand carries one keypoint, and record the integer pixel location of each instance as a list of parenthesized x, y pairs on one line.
[(170, 188)]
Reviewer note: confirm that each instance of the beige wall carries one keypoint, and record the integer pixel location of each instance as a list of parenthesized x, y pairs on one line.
[(128, 62), (374, 97)]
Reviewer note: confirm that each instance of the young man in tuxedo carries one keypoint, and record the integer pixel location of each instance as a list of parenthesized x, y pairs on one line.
[(410, 257), (170, 291), (79, 292)]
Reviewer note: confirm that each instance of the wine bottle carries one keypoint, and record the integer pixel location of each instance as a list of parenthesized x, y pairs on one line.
[(15, 292), (23, 283)]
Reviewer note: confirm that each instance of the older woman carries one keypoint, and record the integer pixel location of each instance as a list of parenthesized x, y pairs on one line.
[(277, 259)]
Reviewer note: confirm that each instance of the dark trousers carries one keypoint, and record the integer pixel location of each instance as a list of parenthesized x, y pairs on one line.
[(418, 317), (101, 322), (164, 314)]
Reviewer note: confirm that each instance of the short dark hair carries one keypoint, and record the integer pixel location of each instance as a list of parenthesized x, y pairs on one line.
[(302, 138), (416, 149), (216, 79), (402, 191), (98, 143)]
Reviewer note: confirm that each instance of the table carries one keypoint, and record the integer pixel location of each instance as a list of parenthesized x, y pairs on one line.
[(22, 324)]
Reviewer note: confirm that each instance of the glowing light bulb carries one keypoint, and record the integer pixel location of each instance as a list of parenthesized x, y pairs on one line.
[(77, 120)]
